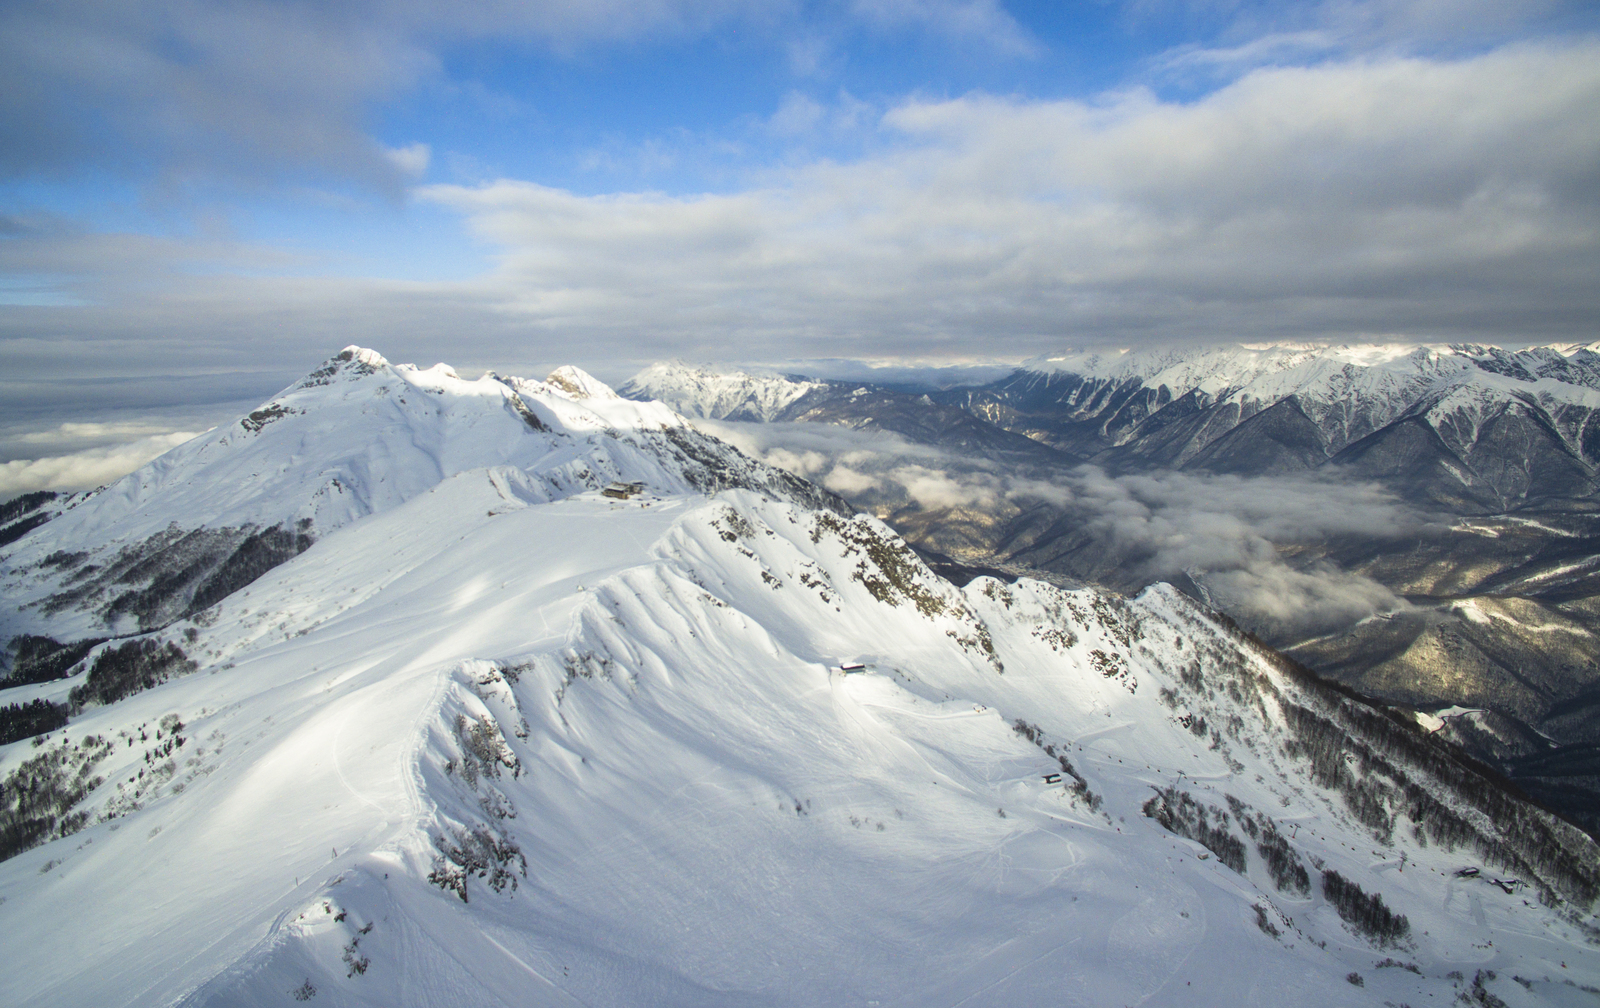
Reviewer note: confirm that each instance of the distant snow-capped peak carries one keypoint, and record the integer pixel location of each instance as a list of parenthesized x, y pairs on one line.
[(1270, 371), (718, 394)]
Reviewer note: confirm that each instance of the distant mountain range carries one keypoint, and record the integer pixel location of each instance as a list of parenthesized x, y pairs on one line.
[(1496, 451), (1470, 428), (755, 398)]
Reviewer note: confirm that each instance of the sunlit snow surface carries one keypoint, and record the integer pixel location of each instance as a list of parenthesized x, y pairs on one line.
[(714, 394), (710, 814)]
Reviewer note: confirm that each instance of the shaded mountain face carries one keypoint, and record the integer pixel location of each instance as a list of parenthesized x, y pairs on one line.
[(503, 739), (1468, 428), (918, 418), (1463, 432), (1473, 585)]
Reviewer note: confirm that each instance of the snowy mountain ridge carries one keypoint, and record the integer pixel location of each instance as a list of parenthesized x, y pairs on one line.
[(718, 393), (510, 741), (356, 437), (1176, 406), (1464, 428), (1212, 369), (1266, 373)]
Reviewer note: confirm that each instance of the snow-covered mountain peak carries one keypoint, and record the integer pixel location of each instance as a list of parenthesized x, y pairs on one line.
[(718, 394), (1217, 368), (1570, 349), (1347, 391), (1267, 371), (579, 384), (371, 358), (572, 401), (442, 368), (357, 436)]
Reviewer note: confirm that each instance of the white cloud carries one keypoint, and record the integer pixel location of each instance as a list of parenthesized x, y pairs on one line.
[(1224, 533), (797, 114), (412, 161), (815, 441), (807, 463), (1438, 199), (222, 89), (1262, 33), (1446, 199), (937, 488), (212, 89), (72, 432), (85, 470), (840, 478)]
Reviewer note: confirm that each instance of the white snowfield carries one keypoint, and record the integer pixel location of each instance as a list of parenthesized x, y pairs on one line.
[(499, 740)]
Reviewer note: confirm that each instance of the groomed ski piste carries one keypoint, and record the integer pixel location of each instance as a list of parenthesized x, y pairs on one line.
[(500, 739)]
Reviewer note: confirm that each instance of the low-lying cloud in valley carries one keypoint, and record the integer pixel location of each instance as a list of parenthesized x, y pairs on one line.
[(86, 469), (1248, 544), (1224, 533)]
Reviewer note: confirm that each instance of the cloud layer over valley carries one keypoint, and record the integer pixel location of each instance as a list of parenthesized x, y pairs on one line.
[(1251, 544), (86, 469)]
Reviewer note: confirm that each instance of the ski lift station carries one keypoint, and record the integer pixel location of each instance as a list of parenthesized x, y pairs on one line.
[(851, 668), (622, 491)]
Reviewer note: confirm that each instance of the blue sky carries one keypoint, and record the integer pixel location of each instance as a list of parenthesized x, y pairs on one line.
[(667, 107), (206, 187)]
